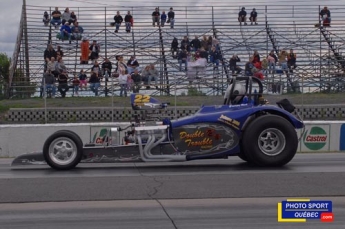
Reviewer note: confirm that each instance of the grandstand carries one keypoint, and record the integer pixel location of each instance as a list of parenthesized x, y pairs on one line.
[(319, 49)]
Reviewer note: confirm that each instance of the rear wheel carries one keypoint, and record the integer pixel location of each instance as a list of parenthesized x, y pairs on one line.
[(63, 150), (270, 140)]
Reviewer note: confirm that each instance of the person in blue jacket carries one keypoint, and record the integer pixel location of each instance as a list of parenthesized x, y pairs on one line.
[(66, 31), (163, 18)]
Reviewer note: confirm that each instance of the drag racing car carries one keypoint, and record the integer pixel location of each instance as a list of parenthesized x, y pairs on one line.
[(243, 125)]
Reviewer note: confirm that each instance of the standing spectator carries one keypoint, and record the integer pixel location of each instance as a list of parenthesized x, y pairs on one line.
[(195, 44), (48, 54), (123, 83), (325, 16), (253, 17), (136, 77), (272, 59), (84, 50), (59, 51), (242, 16), (182, 59), (128, 21), (118, 21), (155, 17), (106, 68), (66, 31), (94, 48), (96, 69), (132, 64), (46, 18), (215, 57), (171, 18), (75, 83), (72, 19), (77, 31), (174, 48), (49, 82), (282, 60), (249, 67), (233, 64), (291, 60), (163, 18), (63, 85), (56, 18), (66, 16), (94, 83), (82, 79), (256, 56)]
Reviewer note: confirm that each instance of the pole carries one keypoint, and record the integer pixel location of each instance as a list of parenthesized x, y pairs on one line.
[(26, 43), (105, 50), (45, 101), (175, 96)]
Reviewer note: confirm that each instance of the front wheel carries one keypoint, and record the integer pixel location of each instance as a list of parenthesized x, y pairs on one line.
[(63, 150), (270, 140)]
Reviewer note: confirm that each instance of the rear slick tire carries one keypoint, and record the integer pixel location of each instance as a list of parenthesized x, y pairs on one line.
[(271, 140)]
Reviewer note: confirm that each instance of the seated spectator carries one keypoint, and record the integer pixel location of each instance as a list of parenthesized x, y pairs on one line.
[(249, 67), (233, 64), (66, 16), (49, 82), (185, 43), (291, 60), (73, 18), (136, 77), (95, 49), (272, 60), (63, 83), (75, 83), (82, 79), (325, 16), (65, 31), (118, 21), (257, 73), (59, 51), (96, 69), (174, 48), (253, 17), (215, 57), (171, 18), (282, 60), (60, 65), (77, 31), (84, 50), (258, 65), (128, 21), (132, 64), (120, 65), (149, 74), (215, 43), (163, 18), (50, 64), (209, 43), (203, 53), (242, 16), (264, 65), (204, 43), (155, 17), (123, 82), (48, 54), (106, 69), (55, 70), (46, 18), (182, 59), (56, 18), (195, 44), (94, 83), (256, 56)]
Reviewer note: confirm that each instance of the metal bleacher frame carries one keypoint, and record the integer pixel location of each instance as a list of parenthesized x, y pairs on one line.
[(319, 49)]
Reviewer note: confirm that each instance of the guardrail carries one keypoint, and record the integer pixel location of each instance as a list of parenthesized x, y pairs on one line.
[(318, 136)]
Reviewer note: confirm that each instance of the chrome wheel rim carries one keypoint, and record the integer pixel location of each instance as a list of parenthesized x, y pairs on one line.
[(62, 151), (271, 142)]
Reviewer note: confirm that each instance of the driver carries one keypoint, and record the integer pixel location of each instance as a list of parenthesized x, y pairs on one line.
[(237, 94)]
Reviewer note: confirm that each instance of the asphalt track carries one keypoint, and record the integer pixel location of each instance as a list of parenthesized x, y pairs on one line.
[(198, 194)]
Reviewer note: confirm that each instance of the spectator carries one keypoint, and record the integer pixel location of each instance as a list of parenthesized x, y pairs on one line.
[(174, 48), (136, 77), (155, 17), (215, 57), (249, 67), (185, 43), (73, 18), (94, 48), (171, 18), (150, 73), (75, 83), (120, 65), (106, 68), (60, 66), (82, 79), (132, 64), (233, 64), (182, 59), (264, 65), (123, 82), (130, 83), (215, 43), (282, 60), (256, 57), (66, 16), (63, 85), (56, 20), (163, 18), (96, 69), (209, 43), (50, 64), (49, 82), (258, 74), (203, 53), (118, 21), (253, 17), (77, 31), (55, 68), (48, 54), (66, 31), (325, 16), (128, 21), (94, 83), (84, 50), (291, 60), (195, 44), (272, 59), (242, 16), (46, 18), (59, 51)]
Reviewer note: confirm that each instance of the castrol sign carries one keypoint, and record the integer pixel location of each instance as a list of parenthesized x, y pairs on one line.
[(316, 138)]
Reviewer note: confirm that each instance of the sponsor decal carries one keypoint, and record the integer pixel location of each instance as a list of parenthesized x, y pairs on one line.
[(315, 138), (98, 135), (204, 139), (140, 100), (229, 121)]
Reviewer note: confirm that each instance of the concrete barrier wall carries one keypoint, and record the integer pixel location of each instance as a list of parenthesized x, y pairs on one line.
[(322, 136)]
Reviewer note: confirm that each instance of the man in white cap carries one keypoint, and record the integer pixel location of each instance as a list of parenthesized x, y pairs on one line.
[(65, 31)]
